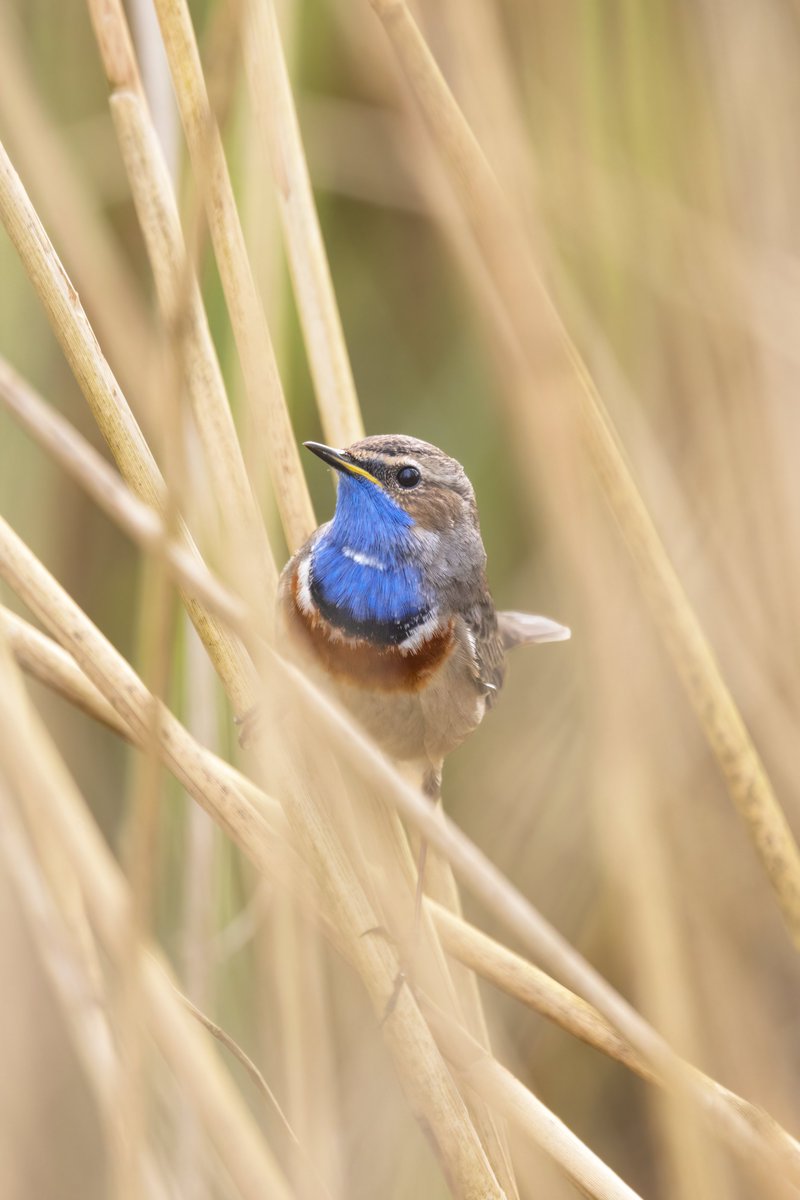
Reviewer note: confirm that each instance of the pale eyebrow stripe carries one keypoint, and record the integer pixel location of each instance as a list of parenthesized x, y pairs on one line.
[(389, 460)]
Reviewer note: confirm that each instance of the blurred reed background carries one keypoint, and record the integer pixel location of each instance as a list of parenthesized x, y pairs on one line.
[(648, 174)]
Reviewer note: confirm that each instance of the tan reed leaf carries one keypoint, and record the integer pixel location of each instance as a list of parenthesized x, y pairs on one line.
[(53, 805), (536, 325), (503, 899), (426, 1081), (91, 471), (48, 662), (294, 950), (182, 308), (206, 141), (249, 324), (45, 660), (61, 948), (109, 671), (108, 405), (223, 795), (72, 211), (276, 116), (184, 317), (522, 1108), (56, 667)]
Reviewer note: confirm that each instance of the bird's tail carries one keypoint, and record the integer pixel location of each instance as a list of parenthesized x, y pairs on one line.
[(518, 629)]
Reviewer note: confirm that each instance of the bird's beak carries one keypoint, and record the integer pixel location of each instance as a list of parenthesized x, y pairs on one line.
[(339, 460)]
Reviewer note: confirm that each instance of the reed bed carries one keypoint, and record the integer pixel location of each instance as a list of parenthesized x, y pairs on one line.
[(560, 243)]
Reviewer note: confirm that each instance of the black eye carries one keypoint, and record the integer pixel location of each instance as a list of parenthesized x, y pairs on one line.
[(408, 477)]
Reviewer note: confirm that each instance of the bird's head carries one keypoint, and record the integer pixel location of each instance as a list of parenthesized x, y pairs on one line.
[(397, 480), (405, 534)]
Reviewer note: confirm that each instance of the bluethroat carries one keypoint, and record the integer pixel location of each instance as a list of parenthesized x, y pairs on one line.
[(388, 603)]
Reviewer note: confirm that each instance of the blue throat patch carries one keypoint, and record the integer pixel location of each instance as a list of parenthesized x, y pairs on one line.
[(363, 577)]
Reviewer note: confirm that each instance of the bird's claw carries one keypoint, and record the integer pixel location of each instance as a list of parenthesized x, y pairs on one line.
[(391, 1004), (249, 724)]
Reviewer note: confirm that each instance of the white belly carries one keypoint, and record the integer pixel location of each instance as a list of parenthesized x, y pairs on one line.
[(427, 724)]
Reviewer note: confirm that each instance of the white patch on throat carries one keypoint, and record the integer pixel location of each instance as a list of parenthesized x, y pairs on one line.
[(430, 626), (363, 560), (304, 600)]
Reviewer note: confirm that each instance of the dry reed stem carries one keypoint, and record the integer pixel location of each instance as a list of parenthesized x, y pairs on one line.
[(427, 1083), (75, 335), (534, 988), (107, 669), (496, 963), (60, 949), (45, 660), (108, 405), (179, 297), (377, 842), (736, 1118), (307, 1044), (441, 886), (42, 658), (90, 470), (71, 210), (183, 52), (179, 775), (485, 1075), (48, 662), (250, 329), (54, 806), (527, 983), (503, 899), (185, 319), (301, 980), (276, 118), (536, 323)]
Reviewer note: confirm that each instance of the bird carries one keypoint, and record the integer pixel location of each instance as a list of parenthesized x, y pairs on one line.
[(388, 604)]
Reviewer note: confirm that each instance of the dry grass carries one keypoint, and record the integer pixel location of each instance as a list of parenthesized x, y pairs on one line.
[(311, 872)]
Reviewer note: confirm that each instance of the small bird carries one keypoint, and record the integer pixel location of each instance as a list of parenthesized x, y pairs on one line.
[(388, 602)]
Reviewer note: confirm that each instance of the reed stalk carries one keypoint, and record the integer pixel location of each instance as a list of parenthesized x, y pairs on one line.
[(182, 310), (73, 213), (522, 1108), (727, 1112), (276, 118), (429, 1088), (324, 827), (543, 340), (256, 353), (53, 806), (78, 458), (109, 406)]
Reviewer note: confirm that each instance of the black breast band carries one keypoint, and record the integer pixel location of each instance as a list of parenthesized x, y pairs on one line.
[(379, 633)]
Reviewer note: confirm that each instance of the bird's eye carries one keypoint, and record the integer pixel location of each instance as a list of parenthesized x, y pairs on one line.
[(408, 477)]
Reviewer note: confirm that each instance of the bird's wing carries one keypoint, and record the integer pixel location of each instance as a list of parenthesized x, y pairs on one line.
[(518, 629), (486, 645)]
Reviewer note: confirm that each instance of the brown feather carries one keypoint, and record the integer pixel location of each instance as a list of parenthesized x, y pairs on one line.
[(353, 660)]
